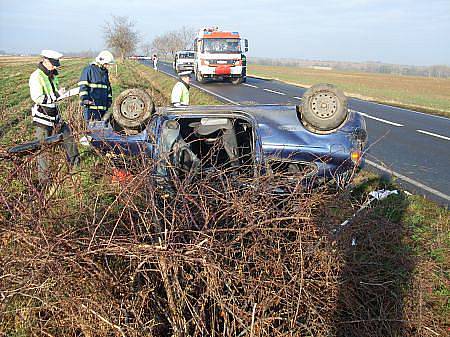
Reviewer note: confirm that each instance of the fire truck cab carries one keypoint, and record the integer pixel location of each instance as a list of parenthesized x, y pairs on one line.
[(219, 55)]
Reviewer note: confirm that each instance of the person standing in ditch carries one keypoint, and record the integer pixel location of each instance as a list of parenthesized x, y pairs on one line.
[(180, 92), (47, 120), (95, 87)]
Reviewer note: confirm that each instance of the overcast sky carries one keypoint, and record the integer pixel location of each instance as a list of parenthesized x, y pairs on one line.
[(394, 31)]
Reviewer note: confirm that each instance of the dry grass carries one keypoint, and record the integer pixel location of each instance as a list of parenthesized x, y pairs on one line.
[(218, 256), (424, 94)]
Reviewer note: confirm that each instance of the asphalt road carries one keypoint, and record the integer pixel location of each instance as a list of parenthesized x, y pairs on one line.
[(412, 146)]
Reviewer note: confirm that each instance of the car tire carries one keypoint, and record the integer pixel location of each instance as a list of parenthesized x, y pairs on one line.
[(132, 109), (324, 108)]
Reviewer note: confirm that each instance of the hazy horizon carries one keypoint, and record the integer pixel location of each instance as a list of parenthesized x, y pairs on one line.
[(404, 33)]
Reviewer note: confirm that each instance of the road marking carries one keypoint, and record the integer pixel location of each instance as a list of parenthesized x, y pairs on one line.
[(205, 90), (409, 180), (275, 92), (398, 108), (214, 94), (378, 119), (249, 85), (433, 134), (297, 97)]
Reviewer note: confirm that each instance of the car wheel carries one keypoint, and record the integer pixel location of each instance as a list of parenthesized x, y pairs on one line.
[(133, 108), (324, 108)]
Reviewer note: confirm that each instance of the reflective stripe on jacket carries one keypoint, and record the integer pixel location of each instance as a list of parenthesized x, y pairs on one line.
[(44, 95), (95, 86), (180, 94)]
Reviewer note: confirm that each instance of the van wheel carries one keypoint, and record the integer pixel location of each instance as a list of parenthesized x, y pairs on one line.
[(200, 78), (324, 108), (132, 109)]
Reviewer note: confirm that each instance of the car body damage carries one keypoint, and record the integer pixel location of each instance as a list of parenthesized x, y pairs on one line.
[(198, 139)]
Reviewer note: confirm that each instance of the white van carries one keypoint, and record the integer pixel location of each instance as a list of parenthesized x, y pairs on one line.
[(184, 60)]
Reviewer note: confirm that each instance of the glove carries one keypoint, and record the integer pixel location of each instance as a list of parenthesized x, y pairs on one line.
[(62, 91), (87, 102)]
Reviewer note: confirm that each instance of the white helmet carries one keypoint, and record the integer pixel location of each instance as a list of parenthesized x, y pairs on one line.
[(105, 57), (52, 56)]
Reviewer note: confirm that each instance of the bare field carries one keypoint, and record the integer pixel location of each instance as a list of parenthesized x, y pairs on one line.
[(424, 94), (9, 60)]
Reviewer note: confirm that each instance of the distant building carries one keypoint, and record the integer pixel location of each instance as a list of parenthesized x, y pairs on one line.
[(321, 67)]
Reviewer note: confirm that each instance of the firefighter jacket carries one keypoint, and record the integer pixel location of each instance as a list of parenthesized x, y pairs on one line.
[(44, 93), (95, 87), (180, 94)]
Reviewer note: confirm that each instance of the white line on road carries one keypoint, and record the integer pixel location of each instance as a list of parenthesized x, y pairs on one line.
[(275, 92), (433, 134), (398, 108), (206, 90), (214, 94), (249, 85), (409, 180), (297, 97), (378, 119)]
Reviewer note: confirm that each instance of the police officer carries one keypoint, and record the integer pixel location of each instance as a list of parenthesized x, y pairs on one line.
[(44, 91), (180, 92), (95, 88)]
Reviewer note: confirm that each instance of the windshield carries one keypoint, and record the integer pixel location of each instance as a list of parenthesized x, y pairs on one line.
[(186, 55), (221, 45)]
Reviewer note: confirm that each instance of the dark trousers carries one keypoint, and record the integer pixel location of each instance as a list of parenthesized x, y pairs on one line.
[(93, 115), (73, 156)]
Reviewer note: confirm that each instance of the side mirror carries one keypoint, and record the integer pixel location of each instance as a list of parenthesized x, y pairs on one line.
[(245, 45)]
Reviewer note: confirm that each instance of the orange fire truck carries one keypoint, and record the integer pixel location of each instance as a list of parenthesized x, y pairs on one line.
[(219, 55)]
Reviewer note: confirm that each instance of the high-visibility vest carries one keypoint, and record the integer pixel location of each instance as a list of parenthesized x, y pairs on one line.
[(44, 96), (180, 94)]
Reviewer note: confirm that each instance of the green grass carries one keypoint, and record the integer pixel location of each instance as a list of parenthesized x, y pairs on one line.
[(427, 228), (430, 95)]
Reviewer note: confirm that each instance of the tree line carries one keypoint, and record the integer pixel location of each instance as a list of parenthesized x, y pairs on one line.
[(439, 71), (122, 36)]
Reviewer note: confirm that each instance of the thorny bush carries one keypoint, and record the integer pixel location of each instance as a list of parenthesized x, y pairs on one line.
[(218, 255)]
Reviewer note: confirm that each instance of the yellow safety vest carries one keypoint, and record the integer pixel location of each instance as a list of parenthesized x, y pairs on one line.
[(180, 94)]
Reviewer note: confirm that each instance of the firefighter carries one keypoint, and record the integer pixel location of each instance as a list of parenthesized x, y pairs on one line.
[(47, 120), (180, 92), (95, 88)]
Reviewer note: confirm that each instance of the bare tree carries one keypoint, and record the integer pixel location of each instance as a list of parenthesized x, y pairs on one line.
[(147, 48), (121, 35), (187, 35), (169, 43)]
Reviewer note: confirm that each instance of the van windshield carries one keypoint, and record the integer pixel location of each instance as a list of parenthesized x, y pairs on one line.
[(186, 55), (222, 46)]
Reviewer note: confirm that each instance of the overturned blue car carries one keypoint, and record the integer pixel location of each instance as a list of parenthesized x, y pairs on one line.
[(320, 138)]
